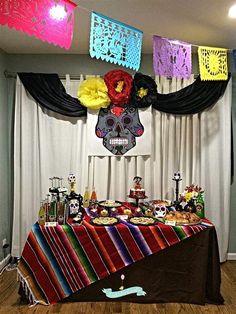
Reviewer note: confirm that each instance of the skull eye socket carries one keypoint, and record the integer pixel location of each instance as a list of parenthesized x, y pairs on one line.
[(110, 121), (127, 120)]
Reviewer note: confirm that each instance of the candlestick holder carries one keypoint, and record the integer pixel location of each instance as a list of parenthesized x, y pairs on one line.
[(177, 178)]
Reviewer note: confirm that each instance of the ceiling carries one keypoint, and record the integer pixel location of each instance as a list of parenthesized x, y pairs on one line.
[(199, 22)]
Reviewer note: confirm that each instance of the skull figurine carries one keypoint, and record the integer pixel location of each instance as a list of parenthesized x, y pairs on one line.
[(119, 126), (160, 211), (73, 206), (71, 178)]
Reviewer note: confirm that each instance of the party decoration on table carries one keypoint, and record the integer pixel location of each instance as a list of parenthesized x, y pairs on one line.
[(53, 209), (92, 93), (137, 192), (115, 42), (177, 178), (213, 63), (48, 20), (171, 57), (75, 201), (193, 196)]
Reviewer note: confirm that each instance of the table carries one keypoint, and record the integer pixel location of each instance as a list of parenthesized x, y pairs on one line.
[(159, 263)]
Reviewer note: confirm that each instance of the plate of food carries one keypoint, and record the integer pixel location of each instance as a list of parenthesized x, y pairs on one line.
[(110, 203), (182, 218), (105, 221), (143, 221)]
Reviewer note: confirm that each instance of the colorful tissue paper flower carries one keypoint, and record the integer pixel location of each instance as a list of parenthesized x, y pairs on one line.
[(92, 93), (119, 84), (144, 91)]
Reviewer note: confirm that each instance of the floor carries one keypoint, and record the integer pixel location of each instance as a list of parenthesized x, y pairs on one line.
[(10, 302)]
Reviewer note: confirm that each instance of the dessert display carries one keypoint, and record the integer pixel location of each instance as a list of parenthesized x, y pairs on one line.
[(182, 218), (145, 221), (105, 221), (137, 191)]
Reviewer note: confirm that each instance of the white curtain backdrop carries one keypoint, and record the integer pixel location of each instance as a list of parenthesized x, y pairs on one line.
[(47, 144)]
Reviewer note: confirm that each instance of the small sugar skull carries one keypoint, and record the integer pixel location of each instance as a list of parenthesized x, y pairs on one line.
[(119, 127), (71, 178), (73, 206), (160, 211)]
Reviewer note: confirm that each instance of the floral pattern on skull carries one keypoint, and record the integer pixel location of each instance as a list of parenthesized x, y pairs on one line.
[(119, 128)]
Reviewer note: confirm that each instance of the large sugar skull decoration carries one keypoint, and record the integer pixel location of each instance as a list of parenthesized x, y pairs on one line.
[(119, 127)]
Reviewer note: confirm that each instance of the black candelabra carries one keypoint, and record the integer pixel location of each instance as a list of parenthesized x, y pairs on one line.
[(177, 178)]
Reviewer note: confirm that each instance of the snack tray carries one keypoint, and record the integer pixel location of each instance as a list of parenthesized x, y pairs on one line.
[(142, 223), (95, 220), (108, 203)]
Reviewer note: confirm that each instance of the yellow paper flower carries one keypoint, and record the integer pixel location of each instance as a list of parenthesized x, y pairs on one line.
[(92, 93)]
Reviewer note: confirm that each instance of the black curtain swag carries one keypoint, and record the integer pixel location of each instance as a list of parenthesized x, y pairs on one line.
[(49, 92)]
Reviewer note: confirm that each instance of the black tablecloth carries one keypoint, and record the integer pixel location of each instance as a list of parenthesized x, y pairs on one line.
[(188, 272)]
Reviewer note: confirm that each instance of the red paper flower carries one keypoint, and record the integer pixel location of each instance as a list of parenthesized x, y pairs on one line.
[(119, 84)]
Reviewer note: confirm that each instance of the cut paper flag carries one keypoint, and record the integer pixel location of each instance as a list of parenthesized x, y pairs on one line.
[(212, 63), (171, 58), (48, 20), (234, 55), (115, 42)]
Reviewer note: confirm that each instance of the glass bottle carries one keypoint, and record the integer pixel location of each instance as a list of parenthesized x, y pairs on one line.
[(52, 215), (93, 197), (42, 214), (86, 198)]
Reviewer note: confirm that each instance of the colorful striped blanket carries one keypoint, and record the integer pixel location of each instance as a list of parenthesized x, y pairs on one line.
[(58, 261)]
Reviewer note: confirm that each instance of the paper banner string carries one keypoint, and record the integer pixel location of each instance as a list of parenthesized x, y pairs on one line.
[(115, 42), (234, 56), (48, 20), (171, 58), (213, 63)]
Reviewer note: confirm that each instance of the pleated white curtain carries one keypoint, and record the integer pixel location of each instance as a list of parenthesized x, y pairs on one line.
[(48, 144)]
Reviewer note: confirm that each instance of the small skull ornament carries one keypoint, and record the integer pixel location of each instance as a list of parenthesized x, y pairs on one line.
[(160, 211), (71, 178), (73, 206), (119, 127)]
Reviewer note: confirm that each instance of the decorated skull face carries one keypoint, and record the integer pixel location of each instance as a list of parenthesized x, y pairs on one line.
[(119, 126), (71, 178), (73, 206), (160, 211)]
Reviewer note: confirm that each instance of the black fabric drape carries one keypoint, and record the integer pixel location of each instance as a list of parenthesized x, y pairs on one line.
[(49, 92), (194, 98)]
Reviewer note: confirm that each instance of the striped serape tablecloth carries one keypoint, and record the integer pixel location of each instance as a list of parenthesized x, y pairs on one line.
[(58, 261)]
